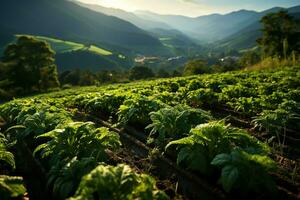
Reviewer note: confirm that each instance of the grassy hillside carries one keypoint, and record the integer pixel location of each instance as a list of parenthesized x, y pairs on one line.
[(73, 55), (62, 46), (69, 21)]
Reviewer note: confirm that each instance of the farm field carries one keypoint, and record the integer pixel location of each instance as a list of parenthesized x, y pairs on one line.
[(231, 135), (69, 55), (61, 46)]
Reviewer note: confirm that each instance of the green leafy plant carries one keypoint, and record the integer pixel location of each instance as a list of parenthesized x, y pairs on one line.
[(107, 104), (9, 111), (11, 187), (245, 172), (136, 110), (172, 123), (79, 139), (275, 122), (120, 182), (37, 119), (65, 176), (5, 155), (202, 97), (208, 140)]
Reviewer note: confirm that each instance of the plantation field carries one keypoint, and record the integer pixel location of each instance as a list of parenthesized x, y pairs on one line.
[(61, 46), (221, 136)]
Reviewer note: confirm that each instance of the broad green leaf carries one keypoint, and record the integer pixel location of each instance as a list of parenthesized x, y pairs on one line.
[(221, 159), (229, 177)]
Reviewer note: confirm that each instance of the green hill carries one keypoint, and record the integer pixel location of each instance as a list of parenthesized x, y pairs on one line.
[(73, 55), (246, 38), (61, 46), (66, 20)]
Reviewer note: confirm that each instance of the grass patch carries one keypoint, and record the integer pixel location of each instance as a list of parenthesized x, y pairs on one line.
[(62, 46)]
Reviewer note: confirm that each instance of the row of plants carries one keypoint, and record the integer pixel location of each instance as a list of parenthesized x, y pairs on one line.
[(201, 148), (167, 108), (169, 111), (10, 186), (74, 154), (215, 150), (268, 99)]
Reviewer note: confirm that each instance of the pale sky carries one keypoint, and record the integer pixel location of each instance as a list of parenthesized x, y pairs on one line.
[(193, 7)]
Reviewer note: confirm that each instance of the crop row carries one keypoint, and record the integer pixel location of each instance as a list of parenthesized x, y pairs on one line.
[(173, 116), (74, 155)]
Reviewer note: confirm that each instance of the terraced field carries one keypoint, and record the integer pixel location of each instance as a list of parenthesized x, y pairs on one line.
[(222, 136)]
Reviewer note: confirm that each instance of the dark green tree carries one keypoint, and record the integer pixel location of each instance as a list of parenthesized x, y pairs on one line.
[(281, 35), (176, 73), (249, 58), (162, 73), (194, 67), (140, 72), (87, 78), (32, 64), (5, 75), (78, 77), (229, 64), (104, 76)]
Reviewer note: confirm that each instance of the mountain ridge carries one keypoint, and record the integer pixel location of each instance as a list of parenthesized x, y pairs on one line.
[(67, 20)]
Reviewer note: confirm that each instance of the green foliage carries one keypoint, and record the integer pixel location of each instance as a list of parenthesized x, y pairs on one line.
[(120, 182), (11, 187), (78, 77), (5, 155), (78, 139), (106, 104), (136, 110), (140, 72), (172, 123), (32, 64), (9, 111), (66, 176), (202, 97), (249, 58), (162, 73), (208, 140), (275, 121), (246, 172), (73, 149), (280, 35), (35, 120), (195, 67)]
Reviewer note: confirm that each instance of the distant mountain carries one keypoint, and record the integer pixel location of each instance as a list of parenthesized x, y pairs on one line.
[(173, 39), (178, 42), (66, 20), (177, 36), (205, 28), (128, 16), (246, 37), (181, 23), (214, 27)]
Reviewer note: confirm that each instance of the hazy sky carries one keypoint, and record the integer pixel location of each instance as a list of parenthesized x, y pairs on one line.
[(193, 7)]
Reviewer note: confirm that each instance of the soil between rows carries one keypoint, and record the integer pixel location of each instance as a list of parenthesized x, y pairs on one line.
[(288, 189)]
